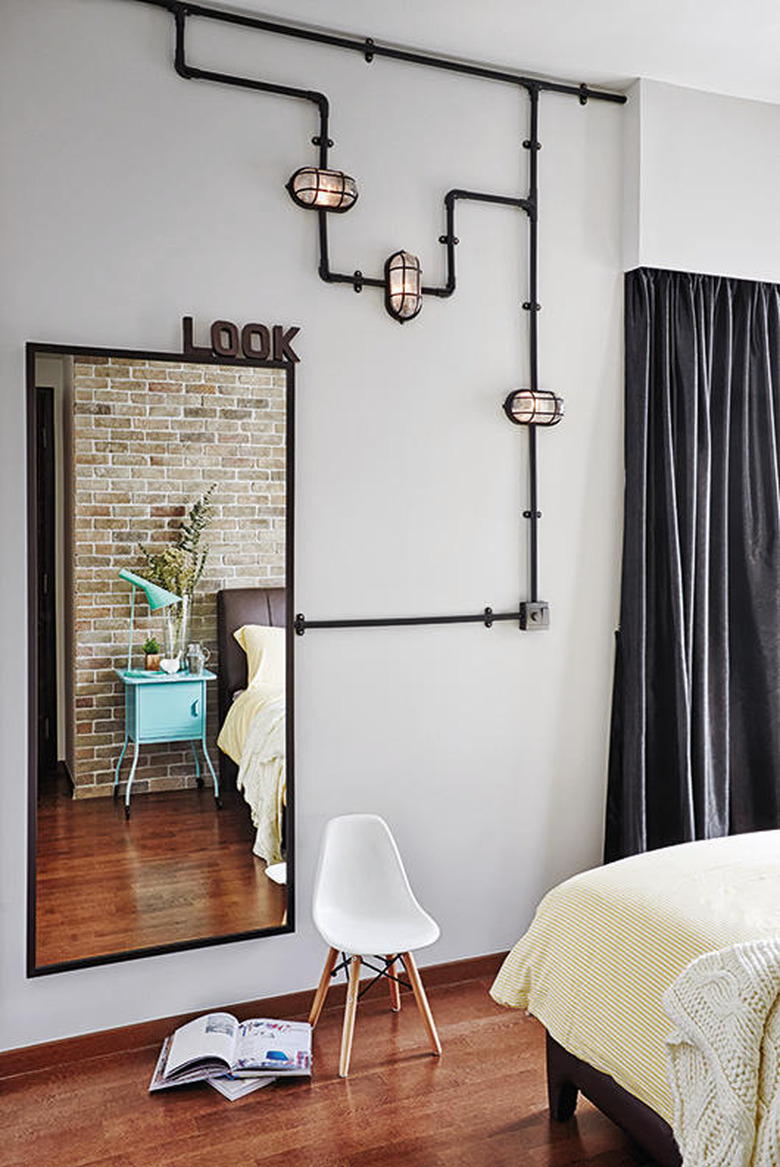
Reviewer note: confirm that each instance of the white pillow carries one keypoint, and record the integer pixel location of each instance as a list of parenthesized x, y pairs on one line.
[(265, 653)]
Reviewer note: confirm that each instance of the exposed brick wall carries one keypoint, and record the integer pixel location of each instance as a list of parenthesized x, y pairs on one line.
[(149, 437)]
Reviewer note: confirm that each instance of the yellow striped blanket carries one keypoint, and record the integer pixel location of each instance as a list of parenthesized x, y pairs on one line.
[(604, 946)]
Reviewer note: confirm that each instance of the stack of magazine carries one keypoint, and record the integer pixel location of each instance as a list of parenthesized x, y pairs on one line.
[(235, 1057)]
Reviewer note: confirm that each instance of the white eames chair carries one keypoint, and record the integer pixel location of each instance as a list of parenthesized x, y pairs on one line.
[(364, 906)]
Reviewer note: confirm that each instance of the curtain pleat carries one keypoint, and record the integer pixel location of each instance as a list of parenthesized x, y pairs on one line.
[(695, 739)]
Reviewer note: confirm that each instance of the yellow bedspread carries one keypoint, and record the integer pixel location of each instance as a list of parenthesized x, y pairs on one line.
[(604, 946), (236, 725)]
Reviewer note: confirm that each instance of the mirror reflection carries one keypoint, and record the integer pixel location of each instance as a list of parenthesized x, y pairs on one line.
[(159, 504)]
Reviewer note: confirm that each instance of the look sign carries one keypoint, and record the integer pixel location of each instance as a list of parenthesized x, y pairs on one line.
[(256, 342)]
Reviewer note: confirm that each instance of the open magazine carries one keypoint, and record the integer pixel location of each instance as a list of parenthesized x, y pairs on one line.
[(217, 1044)]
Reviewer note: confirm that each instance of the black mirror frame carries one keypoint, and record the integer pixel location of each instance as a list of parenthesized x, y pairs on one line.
[(32, 351)]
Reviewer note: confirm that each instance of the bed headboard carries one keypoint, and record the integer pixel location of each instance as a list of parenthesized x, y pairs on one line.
[(236, 607)]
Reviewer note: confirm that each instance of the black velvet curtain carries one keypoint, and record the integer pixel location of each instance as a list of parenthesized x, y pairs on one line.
[(695, 747)]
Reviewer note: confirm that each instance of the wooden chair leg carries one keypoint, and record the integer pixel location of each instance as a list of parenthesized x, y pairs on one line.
[(350, 1009), (422, 1002), (322, 987), (395, 988)]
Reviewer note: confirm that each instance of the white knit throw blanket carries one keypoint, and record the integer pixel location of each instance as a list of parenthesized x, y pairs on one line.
[(261, 776), (724, 1057)]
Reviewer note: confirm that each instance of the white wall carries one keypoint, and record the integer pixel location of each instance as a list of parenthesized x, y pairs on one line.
[(485, 750), (632, 176), (705, 169)]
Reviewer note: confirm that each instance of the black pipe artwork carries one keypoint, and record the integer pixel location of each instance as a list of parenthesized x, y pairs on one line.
[(325, 191)]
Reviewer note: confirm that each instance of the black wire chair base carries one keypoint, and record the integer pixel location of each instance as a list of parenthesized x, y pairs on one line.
[(345, 962)]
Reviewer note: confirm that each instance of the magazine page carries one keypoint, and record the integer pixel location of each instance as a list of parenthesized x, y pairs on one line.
[(196, 1074), (158, 1077), (232, 1088), (207, 1038), (279, 1047)]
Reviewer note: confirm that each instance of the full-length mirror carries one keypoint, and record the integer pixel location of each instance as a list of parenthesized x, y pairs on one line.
[(160, 520)]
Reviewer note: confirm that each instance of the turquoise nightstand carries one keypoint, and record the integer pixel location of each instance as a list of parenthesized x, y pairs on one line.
[(162, 708)]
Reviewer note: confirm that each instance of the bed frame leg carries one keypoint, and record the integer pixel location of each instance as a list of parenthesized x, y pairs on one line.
[(561, 1091), (562, 1097)]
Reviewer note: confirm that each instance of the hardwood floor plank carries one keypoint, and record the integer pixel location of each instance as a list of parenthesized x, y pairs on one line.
[(482, 1104), (178, 870)]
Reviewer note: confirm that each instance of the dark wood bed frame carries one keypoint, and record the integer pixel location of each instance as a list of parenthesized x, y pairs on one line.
[(568, 1076), (236, 607)]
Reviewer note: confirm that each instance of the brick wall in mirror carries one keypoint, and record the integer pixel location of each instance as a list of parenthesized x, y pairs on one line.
[(160, 500)]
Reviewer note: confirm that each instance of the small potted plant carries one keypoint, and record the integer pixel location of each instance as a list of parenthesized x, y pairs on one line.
[(151, 654)]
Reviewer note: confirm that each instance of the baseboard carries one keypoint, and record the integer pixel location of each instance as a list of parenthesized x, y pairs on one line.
[(29, 1059)]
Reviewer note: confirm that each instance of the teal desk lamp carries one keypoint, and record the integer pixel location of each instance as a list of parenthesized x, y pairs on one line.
[(156, 596)]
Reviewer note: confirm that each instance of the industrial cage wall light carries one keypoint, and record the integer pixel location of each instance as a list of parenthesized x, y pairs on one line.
[(403, 290), (317, 189), (533, 407)]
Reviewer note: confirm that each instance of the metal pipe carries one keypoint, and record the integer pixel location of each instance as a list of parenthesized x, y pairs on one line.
[(190, 72), (488, 617), (367, 47), (533, 333), (334, 277), (451, 197), (324, 268), (449, 239), (481, 197)]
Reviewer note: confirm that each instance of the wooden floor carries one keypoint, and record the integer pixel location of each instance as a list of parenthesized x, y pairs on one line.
[(482, 1104), (179, 869)]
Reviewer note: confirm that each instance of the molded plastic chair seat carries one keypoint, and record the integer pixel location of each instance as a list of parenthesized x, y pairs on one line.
[(343, 930), (364, 905)]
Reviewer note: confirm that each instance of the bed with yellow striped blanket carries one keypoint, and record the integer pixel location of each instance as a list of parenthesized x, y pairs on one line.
[(605, 945)]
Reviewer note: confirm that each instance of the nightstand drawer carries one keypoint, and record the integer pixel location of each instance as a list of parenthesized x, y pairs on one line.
[(170, 712)]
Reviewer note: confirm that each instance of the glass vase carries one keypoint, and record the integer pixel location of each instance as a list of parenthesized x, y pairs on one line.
[(171, 632), (183, 629)]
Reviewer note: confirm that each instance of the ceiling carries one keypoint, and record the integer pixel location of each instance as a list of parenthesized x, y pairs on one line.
[(718, 45)]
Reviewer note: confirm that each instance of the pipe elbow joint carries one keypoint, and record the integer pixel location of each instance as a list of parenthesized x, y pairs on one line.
[(321, 101)]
